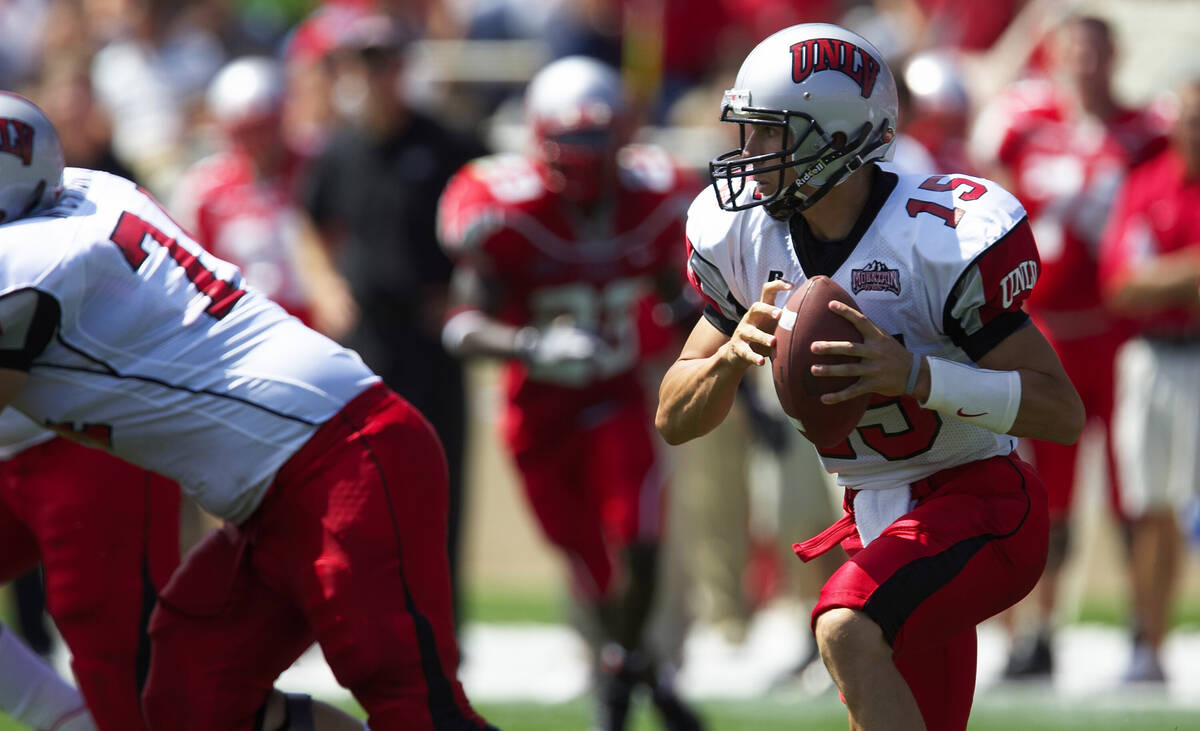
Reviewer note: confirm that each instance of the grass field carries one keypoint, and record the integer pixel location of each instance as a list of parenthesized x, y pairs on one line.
[(1029, 709), (827, 715)]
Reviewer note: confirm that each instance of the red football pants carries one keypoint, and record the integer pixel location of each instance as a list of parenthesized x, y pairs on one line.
[(107, 535), (348, 549), (974, 545)]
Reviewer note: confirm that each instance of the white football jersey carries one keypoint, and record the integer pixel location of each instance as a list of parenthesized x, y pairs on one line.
[(942, 262), (18, 433), (139, 341)]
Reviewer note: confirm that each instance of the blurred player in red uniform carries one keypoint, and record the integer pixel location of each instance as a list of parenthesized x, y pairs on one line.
[(107, 535), (241, 202), (1064, 144), (1150, 271), (555, 253)]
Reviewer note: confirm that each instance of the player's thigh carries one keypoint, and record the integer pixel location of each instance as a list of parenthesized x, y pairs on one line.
[(554, 482), (971, 549), (220, 637), (360, 543), (625, 477)]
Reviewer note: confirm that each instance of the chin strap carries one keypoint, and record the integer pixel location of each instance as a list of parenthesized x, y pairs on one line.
[(793, 201)]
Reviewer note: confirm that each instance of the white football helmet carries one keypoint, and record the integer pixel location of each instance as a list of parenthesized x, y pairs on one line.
[(579, 116), (31, 158), (245, 90), (835, 97)]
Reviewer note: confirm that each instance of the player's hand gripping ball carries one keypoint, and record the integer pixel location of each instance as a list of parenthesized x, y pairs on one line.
[(807, 317)]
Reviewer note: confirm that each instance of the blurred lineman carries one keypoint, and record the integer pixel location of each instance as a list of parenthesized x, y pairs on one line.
[(556, 253), (121, 328), (1065, 145), (1151, 273), (107, 536), (944, 525), (241, 202)]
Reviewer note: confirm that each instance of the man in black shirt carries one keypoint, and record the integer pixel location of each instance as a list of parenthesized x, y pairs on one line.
[(373, 194)]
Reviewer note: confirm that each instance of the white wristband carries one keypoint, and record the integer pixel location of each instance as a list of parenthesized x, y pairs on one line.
[(978, 396)]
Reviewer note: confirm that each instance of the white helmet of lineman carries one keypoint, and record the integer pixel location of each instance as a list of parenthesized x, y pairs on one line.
[(579, 116), (835, 97), (31, 158)]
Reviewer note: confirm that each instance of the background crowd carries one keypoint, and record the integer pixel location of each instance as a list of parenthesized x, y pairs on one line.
[(310, 143)]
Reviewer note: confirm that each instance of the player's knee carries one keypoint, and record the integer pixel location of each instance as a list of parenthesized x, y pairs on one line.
[(846, 634), (1058, 546)]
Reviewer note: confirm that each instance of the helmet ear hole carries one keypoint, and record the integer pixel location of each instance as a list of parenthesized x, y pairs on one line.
[(838, 140)]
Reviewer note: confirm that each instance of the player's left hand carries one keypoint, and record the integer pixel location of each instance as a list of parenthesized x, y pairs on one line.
[(883, 366)]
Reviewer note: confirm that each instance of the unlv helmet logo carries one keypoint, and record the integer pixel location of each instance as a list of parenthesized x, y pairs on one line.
[(831, 54), (16, 138)]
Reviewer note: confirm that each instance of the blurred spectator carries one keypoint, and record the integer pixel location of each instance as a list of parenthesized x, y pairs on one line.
[(241, 203), (555, 252), (1151, 267), (64, 92), (150, 78), (21, 23), (1063, 144), (373, 193)]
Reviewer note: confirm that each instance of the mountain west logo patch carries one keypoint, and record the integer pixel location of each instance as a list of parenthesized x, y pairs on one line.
[(875, 277)]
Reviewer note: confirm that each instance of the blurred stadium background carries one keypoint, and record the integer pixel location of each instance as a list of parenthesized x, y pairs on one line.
[(525, 668)]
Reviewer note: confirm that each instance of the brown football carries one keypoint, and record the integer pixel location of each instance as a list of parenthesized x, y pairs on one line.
[(806, 318)]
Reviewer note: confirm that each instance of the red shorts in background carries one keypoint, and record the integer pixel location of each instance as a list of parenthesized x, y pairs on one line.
[(596, 489)]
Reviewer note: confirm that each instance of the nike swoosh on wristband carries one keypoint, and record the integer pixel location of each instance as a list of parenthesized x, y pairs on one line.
[(968, 416)]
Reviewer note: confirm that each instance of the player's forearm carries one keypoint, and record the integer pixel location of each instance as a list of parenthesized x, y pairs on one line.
[(696, 395), (1172, 280), (1051, 410), (472, 333)]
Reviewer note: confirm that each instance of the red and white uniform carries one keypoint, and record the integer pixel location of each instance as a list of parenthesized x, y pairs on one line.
[(583, 445), (1066, 172), (107, 536), (137, 340), (249, 222), (969, 280), (1156, 427), (944, 263)]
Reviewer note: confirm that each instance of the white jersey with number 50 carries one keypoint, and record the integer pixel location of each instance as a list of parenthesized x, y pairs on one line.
[(137, 340), (941, 262)]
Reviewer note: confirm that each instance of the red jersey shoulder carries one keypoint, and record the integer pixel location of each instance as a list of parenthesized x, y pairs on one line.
[(477, 199)]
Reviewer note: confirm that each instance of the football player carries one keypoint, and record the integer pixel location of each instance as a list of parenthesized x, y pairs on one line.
[(556, 254), (107, 536), (119, 327), (241, 202), (945, 525), (1064, 143)]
